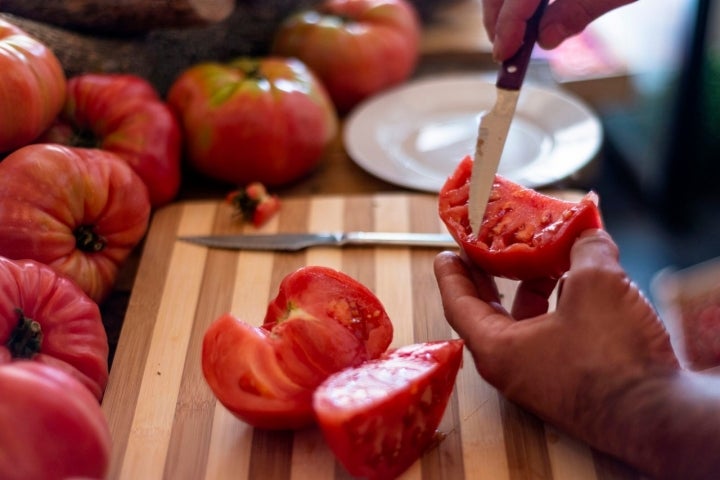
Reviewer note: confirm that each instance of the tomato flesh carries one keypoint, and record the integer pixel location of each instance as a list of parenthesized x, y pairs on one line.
[(380, 417), (524, 234)]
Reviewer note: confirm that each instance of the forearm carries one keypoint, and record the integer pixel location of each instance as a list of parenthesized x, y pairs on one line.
[(667, 426)]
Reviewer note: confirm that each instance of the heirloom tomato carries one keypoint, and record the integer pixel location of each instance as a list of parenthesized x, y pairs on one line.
[(380, 417), (123, 114), (524, 234), (265, 120), (356, 47), (51, 427), (254, 204), (320, 322), (45, 317), (81, 211), (33, 87)]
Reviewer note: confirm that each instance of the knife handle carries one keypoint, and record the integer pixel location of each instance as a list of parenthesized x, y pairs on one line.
[(512, 72)]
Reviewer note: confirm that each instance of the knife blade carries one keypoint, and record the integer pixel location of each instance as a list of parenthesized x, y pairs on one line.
[(299, 241), (495, 124)]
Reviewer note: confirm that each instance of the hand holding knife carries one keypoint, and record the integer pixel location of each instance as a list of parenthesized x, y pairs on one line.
[(495, 124)]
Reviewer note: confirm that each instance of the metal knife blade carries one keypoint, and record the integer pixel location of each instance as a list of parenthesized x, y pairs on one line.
[(299, 241), (495, 124)]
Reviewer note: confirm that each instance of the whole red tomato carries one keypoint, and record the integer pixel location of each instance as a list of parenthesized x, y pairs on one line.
[(81, 211), (123, 114), (263, 120), (381, 416), (356, 47), (45, 317), (320, 322), (33, 87), (51, 427), (524, 234)]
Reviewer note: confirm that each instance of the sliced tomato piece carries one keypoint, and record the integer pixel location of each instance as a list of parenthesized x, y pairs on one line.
[(254, 204), (242, 370), (380, 417), (320, 322), (524, 233)]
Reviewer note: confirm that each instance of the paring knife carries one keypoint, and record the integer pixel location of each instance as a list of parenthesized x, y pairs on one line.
[(495, 124), (300, 241)]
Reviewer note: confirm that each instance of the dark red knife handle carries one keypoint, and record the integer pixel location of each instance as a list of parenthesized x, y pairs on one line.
[(512, 71)]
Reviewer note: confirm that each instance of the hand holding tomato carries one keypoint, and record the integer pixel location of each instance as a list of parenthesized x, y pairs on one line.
[(524, 234), (33, 87), (584, 366), (356, 47)]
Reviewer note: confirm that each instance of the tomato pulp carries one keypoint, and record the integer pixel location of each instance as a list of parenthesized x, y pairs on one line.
[(524, 233)]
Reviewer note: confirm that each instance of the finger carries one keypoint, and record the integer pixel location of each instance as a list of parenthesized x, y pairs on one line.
[(594, 249), (510, 27), (565, 18), (490, 11), (465, 311), (532, 298)]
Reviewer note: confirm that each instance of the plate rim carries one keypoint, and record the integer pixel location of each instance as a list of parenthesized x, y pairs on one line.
[(355, 118)]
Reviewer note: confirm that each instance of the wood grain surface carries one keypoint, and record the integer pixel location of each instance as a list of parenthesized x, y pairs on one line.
[(165, 421)]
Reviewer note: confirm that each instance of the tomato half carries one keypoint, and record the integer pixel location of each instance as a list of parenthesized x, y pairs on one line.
[(33, 87), (380, 417), (524, 234), (321, 322), (47, 318), (81, 211), (123, 114), (51, 427)]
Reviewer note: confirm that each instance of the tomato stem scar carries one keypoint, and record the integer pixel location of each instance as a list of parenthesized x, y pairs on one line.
[(26, 338)]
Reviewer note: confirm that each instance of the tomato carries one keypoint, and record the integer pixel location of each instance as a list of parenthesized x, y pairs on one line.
[(123, 114), (47, 318), (254, 204), (81, 211), (356, 47), (33, 87), (320, 322), (524, 234), (380, 417), (265, 120), (51, 427)]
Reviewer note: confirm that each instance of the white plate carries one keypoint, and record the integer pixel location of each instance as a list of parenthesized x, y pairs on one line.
[(415, 135)]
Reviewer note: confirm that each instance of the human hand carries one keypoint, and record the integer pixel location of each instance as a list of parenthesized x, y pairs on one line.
[(568, 365), (505, 21)]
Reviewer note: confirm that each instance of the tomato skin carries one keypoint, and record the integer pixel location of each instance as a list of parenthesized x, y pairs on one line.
[(356, 47), (123, 114), (266, 120), (320, 322), (73, 335), (524, 234), (81, 211), (380, 417), (33, 87), (51, 427)]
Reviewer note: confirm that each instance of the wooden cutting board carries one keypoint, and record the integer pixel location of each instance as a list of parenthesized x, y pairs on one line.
[(165, 421)]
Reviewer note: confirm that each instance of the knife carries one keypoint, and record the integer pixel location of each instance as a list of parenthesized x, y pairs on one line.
[(495, 124), (299, 241)]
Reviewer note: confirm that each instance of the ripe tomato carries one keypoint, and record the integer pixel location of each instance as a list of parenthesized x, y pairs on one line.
[(33, 87), (51, 427), (356, 47), (524, 234), (380, 417), (320, 322), (263, 120), (123, 114), (81, 211), (47, 318)]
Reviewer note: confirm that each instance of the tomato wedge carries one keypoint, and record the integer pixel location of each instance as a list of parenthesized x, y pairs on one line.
[(320, 322), (380, 417), (524, 233)]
